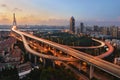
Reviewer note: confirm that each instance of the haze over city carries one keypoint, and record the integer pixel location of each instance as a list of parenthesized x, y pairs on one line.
[(58, 12), (59, 40)]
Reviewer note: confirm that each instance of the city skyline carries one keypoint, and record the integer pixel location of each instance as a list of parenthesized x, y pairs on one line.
[(58, 12)]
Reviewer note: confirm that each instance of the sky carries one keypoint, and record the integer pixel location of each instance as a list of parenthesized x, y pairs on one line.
[(58, 12)]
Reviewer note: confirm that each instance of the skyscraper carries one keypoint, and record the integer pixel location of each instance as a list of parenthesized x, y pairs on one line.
[(72, 25), (114, 31), (81, 27), (96, 28)]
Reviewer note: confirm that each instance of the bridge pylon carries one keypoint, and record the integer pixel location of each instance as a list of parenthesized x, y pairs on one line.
[(14, 20)]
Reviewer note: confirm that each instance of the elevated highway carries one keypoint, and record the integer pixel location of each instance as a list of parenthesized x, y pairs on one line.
[(94, 61), (37, 53), (110, 50)]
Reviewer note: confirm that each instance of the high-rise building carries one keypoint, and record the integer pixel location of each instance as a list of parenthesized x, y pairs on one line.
[(72, 25), (114, 31), (78, 30), (96, 28), (81, 27), (118, 32), (106, 31)]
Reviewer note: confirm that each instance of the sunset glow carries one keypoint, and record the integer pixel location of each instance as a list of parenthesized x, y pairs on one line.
[(58, 12)]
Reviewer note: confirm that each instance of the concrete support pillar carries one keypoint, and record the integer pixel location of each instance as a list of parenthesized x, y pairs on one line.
[(80, 64), (42, 44), (44, 62), (0, 68), (96, 52), (35, 59), (100, 50), (29, 56), (53, 64), (54, 52), (49, 48), (91, 72)]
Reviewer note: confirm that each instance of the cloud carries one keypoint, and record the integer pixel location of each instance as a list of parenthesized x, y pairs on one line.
[(5, 19), (17, 9), (34, 19), (54, 21), (4, 5), (11, 9), (28, 17)]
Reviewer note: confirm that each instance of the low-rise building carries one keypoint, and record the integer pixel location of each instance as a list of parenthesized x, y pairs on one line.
[(117, 61), (24, 69)]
